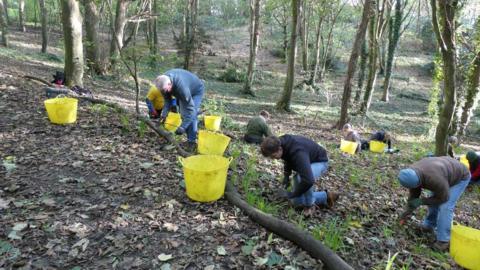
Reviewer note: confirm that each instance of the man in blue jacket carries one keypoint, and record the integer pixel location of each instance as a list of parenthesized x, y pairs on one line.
[(309, 160), (188, 89)]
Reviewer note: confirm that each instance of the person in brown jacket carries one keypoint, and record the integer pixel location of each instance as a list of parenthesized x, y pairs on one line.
[(446, 178)]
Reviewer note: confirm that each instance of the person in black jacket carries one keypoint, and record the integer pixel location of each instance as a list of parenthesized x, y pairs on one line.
[(308, 159)]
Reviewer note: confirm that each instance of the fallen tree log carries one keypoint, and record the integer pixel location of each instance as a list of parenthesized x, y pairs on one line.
[(288, 231), (157, 129)]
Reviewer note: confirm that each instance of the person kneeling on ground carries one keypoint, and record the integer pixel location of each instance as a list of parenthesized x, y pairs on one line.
[(382, 136), (309, 160), (257, 128), (155, 103), (474, 162), (447, 179), (452, 141), (351, 135)]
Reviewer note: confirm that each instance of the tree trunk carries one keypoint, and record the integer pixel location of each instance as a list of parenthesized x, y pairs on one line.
[(155, 26), (372, 64), (5, 9), (471, 100), (361, 72), (352, 63), (92, 19), (393, 38), (314, 71), (190, 41), (21, 15), (72, 34), (117, 35), (284, 102), (44, 16), (304, 35), (326, 48), (254, 39), (446, 42), (3, 26)]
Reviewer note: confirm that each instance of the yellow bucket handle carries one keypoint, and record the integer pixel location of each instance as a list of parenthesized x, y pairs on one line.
[(61, 96), (181, 159)]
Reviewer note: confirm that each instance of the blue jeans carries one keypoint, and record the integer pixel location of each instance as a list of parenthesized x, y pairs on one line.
[(311, 197), (192, 129), (441, 216)]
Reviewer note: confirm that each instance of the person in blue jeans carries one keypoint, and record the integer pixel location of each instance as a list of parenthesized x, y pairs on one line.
[(188, 90), (309, 160), (446, 178)]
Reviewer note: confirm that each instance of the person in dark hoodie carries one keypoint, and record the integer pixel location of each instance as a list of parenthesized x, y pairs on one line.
[(309, 160), (447, 179), (188, 90)]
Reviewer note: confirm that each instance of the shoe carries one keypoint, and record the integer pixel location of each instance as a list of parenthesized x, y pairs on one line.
[(441, 246), (191, 147), (424, 229), (332, 197)]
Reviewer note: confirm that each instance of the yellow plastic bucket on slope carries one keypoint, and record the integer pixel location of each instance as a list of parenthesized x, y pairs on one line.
[(465, 246), (464, 161), (212, 122), (205, 176), (348, 147), (62, 110), (173, 121), (377, 146), (212, 143)]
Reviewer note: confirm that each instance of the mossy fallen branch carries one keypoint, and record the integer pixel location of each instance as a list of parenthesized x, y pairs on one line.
[(288, 231)]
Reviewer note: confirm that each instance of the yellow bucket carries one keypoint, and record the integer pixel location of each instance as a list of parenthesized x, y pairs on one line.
[(464, 161), (348, 147), (173, 121), (212, 122), (205, 176), (465, 246), (211, 143), (377, 146), (62, 110)]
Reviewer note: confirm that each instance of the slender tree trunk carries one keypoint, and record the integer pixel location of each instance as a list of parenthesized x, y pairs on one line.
[(155, 26), (304, 35), (254, 39), (44, 16), (72, 33), (393, 38), (5, 9), (21, 15), (352, 63), (3, 26), (328, 45), (190, 44), (372, 64), (361, 71), (285, 100), (92, 19), (314, 71), (117, 35), (446, 42), (471, 100)]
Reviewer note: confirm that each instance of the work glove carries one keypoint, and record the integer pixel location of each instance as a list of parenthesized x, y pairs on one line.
[(414, 204), (179, 131), (286, 181)]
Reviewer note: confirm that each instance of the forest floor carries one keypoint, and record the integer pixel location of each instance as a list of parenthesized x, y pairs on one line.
[(102, 193)]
